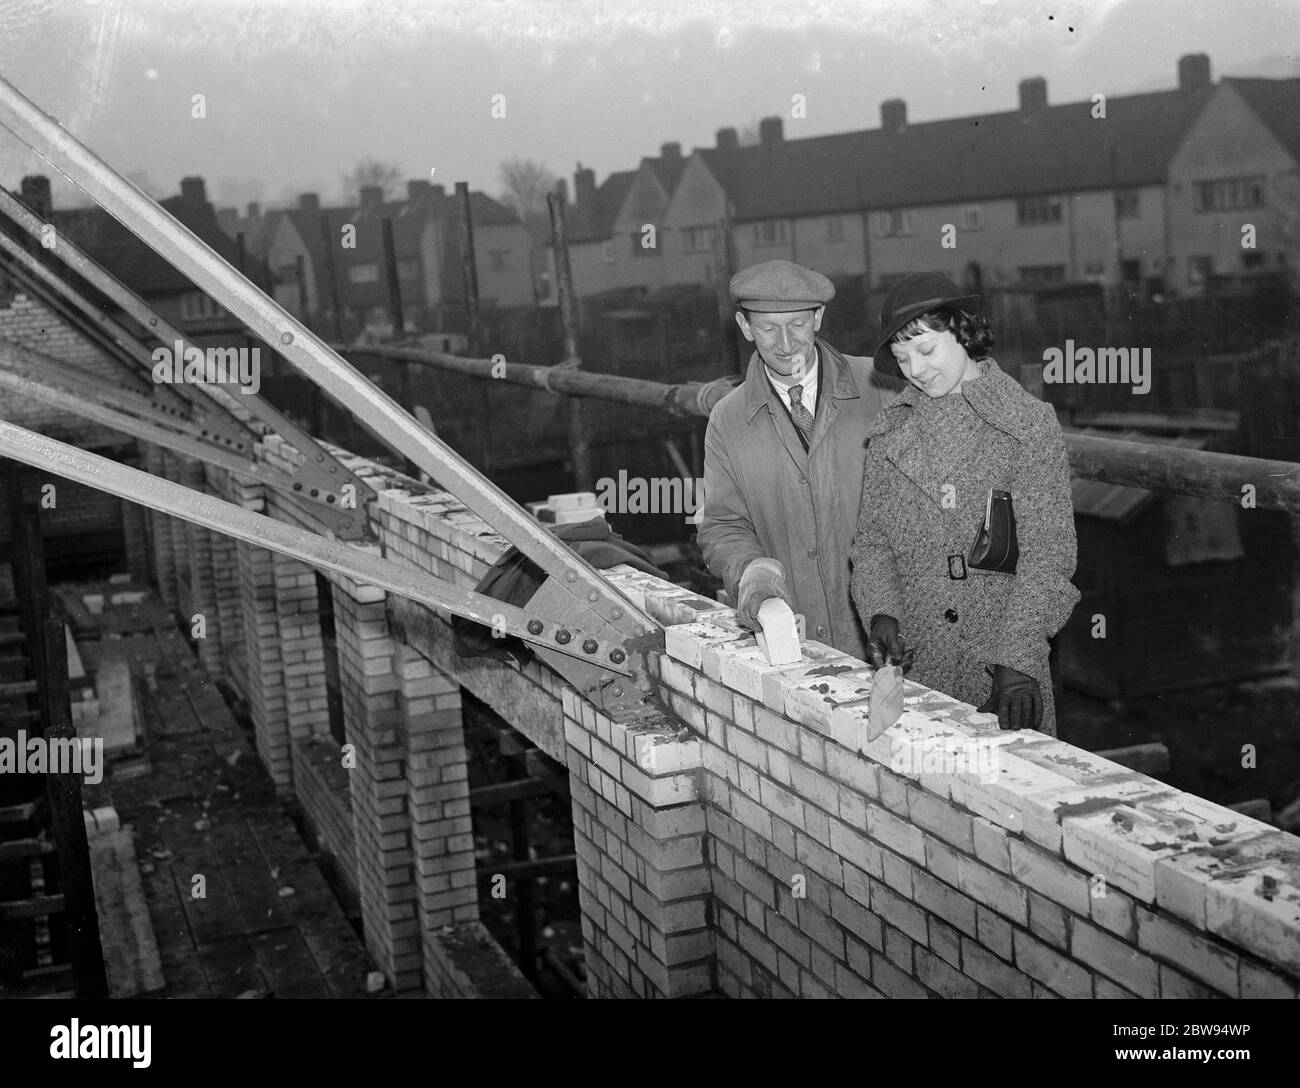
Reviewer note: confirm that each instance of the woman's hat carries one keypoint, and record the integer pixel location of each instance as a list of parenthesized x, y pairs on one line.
[(909, 298)]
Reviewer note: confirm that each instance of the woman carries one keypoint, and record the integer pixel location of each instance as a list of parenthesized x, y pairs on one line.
[(962, 431)]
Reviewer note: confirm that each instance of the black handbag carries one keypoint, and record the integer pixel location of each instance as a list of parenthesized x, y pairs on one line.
[(995, 546)]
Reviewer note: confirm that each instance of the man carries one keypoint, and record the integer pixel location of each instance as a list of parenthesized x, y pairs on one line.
[(783, 458)]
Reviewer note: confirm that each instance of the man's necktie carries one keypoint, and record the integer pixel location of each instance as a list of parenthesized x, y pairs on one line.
[(803, 418)]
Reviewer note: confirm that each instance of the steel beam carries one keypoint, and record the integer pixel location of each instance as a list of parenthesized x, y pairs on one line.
[(596, 608), (320, 474), (114, 340), (353, 562), (197, 449)]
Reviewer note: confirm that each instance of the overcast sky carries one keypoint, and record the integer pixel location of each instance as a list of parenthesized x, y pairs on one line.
[(297, 91)]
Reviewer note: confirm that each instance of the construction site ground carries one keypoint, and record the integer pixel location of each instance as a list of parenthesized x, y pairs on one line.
[(200, 815)]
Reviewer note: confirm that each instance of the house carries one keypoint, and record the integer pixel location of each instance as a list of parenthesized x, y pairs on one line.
[(140, 267), (1235, 185), (426, 243), (1146, 190)]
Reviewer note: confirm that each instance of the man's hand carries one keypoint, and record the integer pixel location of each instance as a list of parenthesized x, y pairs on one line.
[(885, 646), (1016, 698), (763, 579)]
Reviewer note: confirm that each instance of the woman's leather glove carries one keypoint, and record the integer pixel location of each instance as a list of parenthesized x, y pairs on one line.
[(885, 646), (763, 579), (1016, 698)]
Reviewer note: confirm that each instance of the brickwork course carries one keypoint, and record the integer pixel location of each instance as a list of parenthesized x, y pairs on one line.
[(737, 839)]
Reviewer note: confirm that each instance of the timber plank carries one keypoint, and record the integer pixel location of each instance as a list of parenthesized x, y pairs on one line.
[(231, 966)]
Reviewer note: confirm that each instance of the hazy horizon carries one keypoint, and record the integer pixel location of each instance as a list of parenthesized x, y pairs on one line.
[(296, 94)]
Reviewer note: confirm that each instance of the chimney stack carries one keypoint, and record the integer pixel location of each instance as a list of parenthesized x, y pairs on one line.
[(771, 132), (193, 191), (1193, 71), (670, 151), (584, 186), (440, 191), (418, 189), (562, 188), (35, 193), (727, 139), (309, 202), (371, 194), (254, 210), (1033, 94), (893, 116)]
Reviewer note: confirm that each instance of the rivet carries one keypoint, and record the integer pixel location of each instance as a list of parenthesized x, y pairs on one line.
[(153, 321), (617, 656), (563, 637), (617, 691), (617, 614), (535, 627), (590, 646), (593, 596), (286, 338), (570, 575)]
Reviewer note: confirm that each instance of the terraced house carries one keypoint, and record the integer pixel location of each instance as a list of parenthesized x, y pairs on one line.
[(1151, 190)]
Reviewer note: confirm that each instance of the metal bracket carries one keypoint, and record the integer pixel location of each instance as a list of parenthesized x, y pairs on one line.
[(591, 605), (319, 478), (347, 559)]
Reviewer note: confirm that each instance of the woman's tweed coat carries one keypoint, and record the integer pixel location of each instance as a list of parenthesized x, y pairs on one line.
[(929, 467)]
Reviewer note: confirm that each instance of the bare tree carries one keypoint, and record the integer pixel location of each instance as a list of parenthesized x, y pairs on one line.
[(525, 184), (370, 171)]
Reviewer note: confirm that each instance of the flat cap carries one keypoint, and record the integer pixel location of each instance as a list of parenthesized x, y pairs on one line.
[(779, 287)]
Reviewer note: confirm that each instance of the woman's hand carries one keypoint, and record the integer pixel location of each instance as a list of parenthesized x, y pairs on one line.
[(1016, 698), (886, 646)]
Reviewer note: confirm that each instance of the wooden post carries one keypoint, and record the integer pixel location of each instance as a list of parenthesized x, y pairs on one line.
[(525, 921), (300, 272), (469, 266), (579, 451), (394, 284), (724, 262), (469, 273), (28, 563), (67, 826), (336, 311)]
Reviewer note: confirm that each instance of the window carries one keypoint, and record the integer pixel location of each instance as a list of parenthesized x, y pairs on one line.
[(408, 269), (835, 228), (696, 239), (606, 252), (888, 224), (1228, 194), (363, 273), (1034, 210), (971, 217), (771, 233), (499, 260), (1040, 275), (196, 306), (1199, 269), (1126, 204)]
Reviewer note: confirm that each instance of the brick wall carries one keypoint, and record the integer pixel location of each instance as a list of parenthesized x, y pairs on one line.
[(321, 786), (739, 838), (25, 321)]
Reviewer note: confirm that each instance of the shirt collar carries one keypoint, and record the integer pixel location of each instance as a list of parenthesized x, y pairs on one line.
[(810, 378)]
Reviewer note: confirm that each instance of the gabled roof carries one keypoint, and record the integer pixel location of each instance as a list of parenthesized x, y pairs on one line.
[(980, 157), (594, 221), (668, 170), (1277, 102), (129, 259)]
